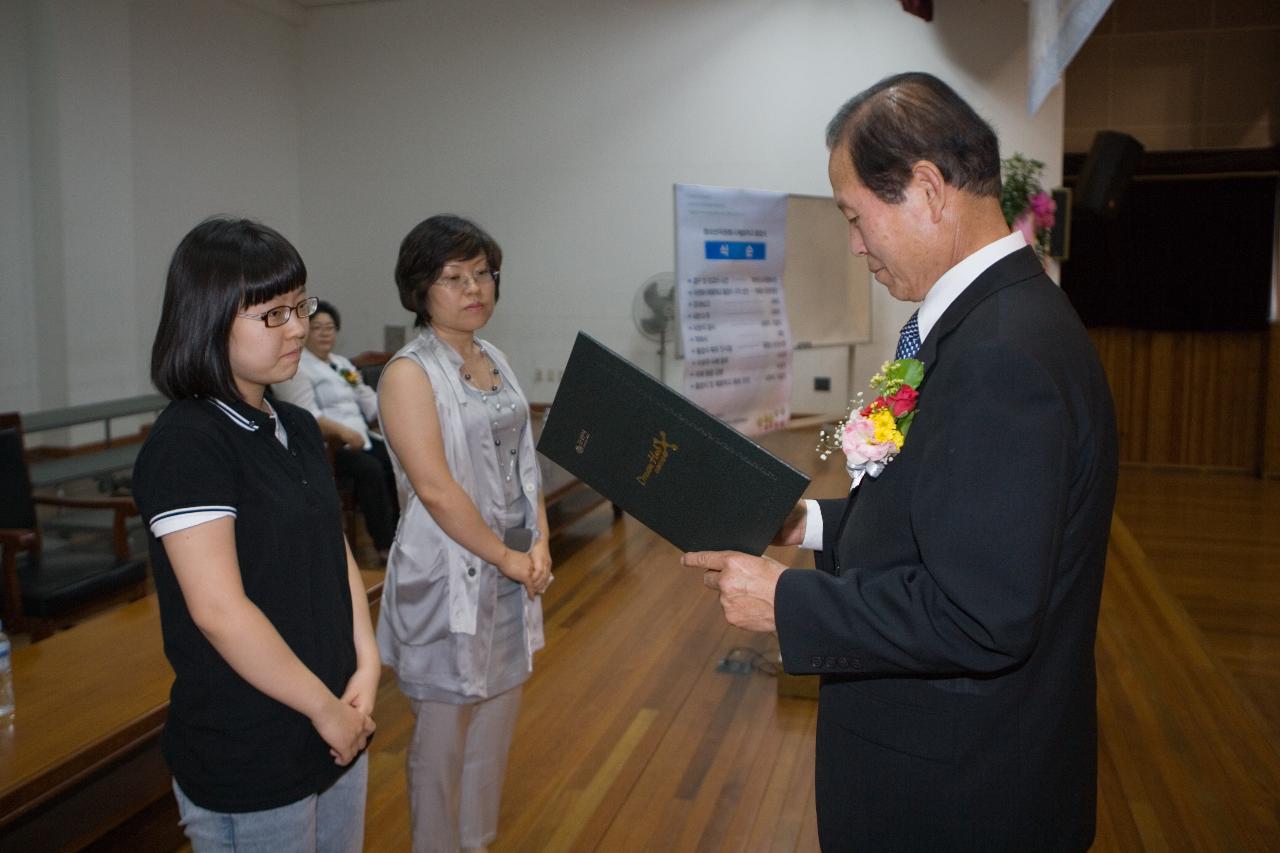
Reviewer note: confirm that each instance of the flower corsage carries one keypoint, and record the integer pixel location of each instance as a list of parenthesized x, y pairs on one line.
[(352, 377), (871, 434)]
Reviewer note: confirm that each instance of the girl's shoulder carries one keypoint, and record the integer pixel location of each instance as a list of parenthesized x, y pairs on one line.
[(195, 426), (191, 414)]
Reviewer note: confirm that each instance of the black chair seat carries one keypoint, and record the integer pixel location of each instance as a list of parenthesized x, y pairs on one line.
[(371, 374), (66, 580), (42, 589)]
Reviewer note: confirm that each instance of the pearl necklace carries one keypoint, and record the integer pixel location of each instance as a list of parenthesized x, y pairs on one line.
[(497, 440), (484, 355), (497, 406)]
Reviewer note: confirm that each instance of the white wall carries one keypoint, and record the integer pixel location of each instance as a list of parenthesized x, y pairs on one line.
[(124, 124), (559, 125), (18, 384), (215, 95)]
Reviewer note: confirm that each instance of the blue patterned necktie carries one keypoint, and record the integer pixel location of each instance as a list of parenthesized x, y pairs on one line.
[(909, 340)]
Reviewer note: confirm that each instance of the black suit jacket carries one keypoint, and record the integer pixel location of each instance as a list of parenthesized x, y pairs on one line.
[(954, 613)]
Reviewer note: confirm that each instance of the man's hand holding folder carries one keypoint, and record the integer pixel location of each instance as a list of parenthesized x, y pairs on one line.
[(746, 584)]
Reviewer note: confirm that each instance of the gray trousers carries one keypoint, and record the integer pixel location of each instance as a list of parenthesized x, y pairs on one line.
[(455, 766)]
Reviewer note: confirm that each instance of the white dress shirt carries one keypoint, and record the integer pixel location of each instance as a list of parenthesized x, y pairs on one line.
[(936, 301)]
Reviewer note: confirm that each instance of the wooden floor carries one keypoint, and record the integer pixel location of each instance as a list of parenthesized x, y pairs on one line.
[(630, 740), (1189, 665), (1214, 541)]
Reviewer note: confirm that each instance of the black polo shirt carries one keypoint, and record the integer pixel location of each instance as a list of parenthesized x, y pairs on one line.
[(230, 747)]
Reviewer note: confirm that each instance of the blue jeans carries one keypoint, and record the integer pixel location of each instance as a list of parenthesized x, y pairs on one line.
[(329, 822)]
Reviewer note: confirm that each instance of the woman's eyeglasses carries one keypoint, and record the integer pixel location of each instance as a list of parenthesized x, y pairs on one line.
[(458, 283), (280, 315)]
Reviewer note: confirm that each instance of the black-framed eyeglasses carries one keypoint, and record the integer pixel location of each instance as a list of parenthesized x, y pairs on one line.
[(458, 283), (280, 315)]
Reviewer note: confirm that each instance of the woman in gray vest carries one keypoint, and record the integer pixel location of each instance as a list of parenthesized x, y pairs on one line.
[(461, 615)]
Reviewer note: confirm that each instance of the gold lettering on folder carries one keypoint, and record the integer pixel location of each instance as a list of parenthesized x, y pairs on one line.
[(658, 453), (583, 438)]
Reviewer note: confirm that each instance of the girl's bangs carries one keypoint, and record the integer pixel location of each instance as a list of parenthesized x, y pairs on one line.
[(269, 272)]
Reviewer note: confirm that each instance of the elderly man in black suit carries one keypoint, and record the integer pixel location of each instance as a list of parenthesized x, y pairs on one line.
[(953, 615)]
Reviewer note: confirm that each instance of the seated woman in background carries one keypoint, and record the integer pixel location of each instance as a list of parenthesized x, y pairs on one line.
[(460, 618), (330, 388), (263, 609)]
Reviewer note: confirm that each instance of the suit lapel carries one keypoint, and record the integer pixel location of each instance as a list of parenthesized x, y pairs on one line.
[(1011, 269), (844, 520)]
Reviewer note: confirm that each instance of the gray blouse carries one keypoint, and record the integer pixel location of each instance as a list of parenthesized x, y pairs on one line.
[(439, 608)]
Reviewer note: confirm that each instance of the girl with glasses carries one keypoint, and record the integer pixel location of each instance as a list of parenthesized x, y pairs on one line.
[(264, 613)]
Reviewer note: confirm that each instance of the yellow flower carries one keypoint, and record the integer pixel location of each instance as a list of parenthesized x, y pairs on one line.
[(886, 427)]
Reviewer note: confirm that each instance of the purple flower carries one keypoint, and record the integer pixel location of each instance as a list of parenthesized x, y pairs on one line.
[(1043, 208)]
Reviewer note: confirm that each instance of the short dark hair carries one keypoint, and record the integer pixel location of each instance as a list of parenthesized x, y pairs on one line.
[(323, 307), (431, 244), (221, 267), (910, 117)]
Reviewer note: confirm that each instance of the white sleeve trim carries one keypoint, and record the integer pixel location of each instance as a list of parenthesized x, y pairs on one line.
[(180, 519)]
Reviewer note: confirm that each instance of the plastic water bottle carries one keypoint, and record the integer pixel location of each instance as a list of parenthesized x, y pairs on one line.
[(6, 680)]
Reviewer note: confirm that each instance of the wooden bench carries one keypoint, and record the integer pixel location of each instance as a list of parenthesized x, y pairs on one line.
[(55, 467), (83, 755), (95, 465), (87, 413)]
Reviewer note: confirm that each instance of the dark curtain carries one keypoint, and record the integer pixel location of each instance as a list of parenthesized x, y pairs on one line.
[(1190, 254)]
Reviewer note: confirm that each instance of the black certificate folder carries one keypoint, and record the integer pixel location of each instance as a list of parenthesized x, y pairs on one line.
[(693, 479)]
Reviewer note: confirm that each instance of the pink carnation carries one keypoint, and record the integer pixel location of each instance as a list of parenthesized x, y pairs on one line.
[(859, 444)]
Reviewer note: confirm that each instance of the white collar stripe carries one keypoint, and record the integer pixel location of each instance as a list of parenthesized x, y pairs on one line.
[(236, 418)]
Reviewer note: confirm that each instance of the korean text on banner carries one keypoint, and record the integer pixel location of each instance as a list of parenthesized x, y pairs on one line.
[(730, 257)]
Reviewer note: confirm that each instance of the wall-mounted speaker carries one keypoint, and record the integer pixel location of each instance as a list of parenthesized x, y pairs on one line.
[(1106, 173), (1060, 233)]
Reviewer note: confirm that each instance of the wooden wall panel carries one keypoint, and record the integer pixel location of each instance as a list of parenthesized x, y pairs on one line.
[(1194, 399), (1271, 422)]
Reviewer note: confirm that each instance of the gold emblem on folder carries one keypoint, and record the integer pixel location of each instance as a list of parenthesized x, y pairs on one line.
[(658, 453), (581, 446)]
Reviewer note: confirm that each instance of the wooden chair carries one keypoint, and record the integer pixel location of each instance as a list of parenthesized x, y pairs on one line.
[(40, 591), (370, 364)]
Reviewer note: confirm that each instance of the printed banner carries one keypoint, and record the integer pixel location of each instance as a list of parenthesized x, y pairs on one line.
[(730, 257)]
